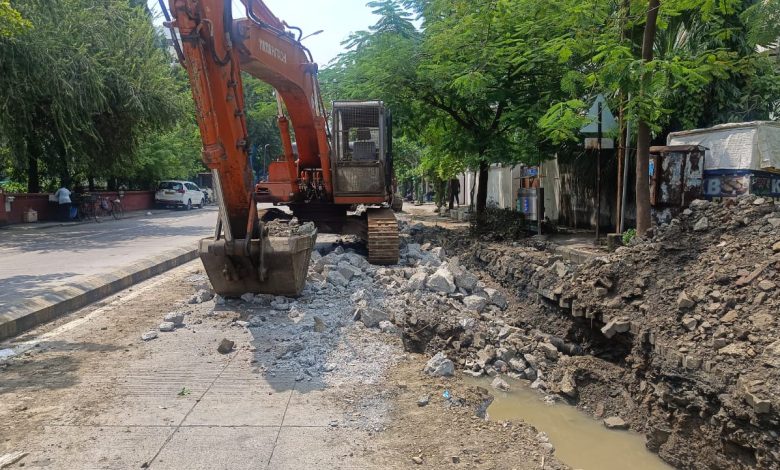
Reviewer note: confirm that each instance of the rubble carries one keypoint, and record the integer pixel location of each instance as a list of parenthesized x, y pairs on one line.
[(225, 346), (439, 366)]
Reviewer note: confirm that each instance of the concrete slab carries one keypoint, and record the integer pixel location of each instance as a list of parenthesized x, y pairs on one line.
[(311, 409), (212, 448), (313, 447), (240, 408), (93, 447)]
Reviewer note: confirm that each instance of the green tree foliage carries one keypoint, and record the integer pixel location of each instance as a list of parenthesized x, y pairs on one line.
[(11, 21), (82, 87)]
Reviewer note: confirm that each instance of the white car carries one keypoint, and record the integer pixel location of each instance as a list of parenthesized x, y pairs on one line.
[(184, 194)]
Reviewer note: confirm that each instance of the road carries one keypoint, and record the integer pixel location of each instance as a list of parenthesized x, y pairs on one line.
[(35, 261)]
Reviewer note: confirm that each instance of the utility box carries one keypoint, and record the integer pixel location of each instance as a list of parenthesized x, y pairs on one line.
[(676, 179), (29, 216)]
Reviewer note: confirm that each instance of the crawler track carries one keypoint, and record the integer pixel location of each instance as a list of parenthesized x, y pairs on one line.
[(382, 239)]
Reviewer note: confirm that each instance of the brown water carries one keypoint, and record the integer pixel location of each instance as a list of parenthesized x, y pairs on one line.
[(580, 441)]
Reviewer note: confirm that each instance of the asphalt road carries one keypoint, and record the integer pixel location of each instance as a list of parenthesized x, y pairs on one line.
[(34, 261)]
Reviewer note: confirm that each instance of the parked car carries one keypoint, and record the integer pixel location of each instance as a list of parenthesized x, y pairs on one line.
[(183, 194)]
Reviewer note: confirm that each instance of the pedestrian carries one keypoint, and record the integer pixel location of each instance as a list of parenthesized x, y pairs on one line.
[(63, 199)]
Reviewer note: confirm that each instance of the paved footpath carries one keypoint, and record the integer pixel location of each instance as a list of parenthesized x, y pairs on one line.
[(33, 262)]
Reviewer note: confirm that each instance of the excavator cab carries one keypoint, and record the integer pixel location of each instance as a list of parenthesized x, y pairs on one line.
[(363, 163)]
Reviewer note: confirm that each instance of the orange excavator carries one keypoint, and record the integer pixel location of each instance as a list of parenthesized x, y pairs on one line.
[(329, 167)]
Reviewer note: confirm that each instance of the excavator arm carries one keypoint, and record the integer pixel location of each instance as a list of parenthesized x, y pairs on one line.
[(214, 49)]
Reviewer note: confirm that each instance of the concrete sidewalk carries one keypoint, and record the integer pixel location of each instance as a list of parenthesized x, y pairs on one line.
[(55, 224)]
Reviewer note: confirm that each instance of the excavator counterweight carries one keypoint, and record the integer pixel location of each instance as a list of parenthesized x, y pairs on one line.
[(322, 175)]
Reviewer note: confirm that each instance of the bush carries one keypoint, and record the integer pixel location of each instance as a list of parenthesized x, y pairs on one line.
[(628, 235)]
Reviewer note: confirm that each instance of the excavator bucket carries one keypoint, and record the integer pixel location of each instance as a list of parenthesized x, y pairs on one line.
[(277, 267)]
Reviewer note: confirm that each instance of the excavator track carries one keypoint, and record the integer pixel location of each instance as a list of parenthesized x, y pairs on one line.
[(382, 236)]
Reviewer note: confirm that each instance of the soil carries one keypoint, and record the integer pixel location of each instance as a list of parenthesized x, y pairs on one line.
[(676, 334)]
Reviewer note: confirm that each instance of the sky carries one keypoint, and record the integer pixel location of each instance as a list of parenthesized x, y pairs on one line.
[(338, 18)]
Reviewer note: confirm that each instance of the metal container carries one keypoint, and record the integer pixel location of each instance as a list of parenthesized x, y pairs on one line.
[(676, 179)]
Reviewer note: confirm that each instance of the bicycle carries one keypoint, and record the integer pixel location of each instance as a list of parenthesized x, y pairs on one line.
[(87, 208), (111, 207)]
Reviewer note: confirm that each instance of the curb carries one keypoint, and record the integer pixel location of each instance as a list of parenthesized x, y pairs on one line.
[(62, 300), (50, 225)]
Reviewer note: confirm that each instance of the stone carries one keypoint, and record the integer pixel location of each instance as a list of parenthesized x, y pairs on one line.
[(177, 318), (417, 281), (319, 325), (530, 373), (149, 335), (771, 355), (766, 285), (371, 317), (501, 366), (615, 422), (388, 327), (568, 386), (614, 327), (759, 201), (475, 302), (439, 366), (225, 346), (203, 295), (517, 364), (441, 281), (500, 384), (423, 400), (560, 269), (417, 460), (466, 280), (729, 316), (549, 350), (497, 298), (701, 225), (335, 278), (248, 297), (776, 247), (759, 405), (167, 326), (600, 291), (689, 323), (439, 253), (684, 301)]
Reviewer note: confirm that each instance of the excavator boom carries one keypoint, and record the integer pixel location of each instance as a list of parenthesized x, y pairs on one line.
[(215, 49)]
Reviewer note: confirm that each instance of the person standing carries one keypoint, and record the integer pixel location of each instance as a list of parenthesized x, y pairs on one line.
[(455, 185), (63, 199)]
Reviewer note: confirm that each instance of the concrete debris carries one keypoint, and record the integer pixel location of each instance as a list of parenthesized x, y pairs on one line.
[(439, 366), (372, 317), (684, 301), (225, 346), (177, 318), (701, 225), (149, 335), (500, 384), (166, 326), (441, 281), (203, 295), (615, 422)]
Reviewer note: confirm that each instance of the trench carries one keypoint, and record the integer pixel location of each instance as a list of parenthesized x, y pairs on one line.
[(580, 441)]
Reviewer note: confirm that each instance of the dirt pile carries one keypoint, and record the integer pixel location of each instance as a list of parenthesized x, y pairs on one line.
[(680, 330)]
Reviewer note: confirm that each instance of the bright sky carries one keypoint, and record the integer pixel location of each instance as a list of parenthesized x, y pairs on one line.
[(338, 18)]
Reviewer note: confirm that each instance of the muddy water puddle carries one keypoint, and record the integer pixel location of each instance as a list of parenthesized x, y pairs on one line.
[(580, 441)]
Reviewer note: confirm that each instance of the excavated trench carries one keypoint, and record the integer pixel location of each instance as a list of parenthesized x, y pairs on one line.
[(624, 372)]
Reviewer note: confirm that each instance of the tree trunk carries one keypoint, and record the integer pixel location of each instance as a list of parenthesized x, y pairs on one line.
[(482, 191), (33, 176), (643, 129)]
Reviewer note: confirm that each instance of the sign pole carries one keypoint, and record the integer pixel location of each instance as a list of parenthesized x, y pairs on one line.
[(598, 175)]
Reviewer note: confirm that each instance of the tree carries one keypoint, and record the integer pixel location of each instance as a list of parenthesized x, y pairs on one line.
[(82, 87), (11, 21)]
